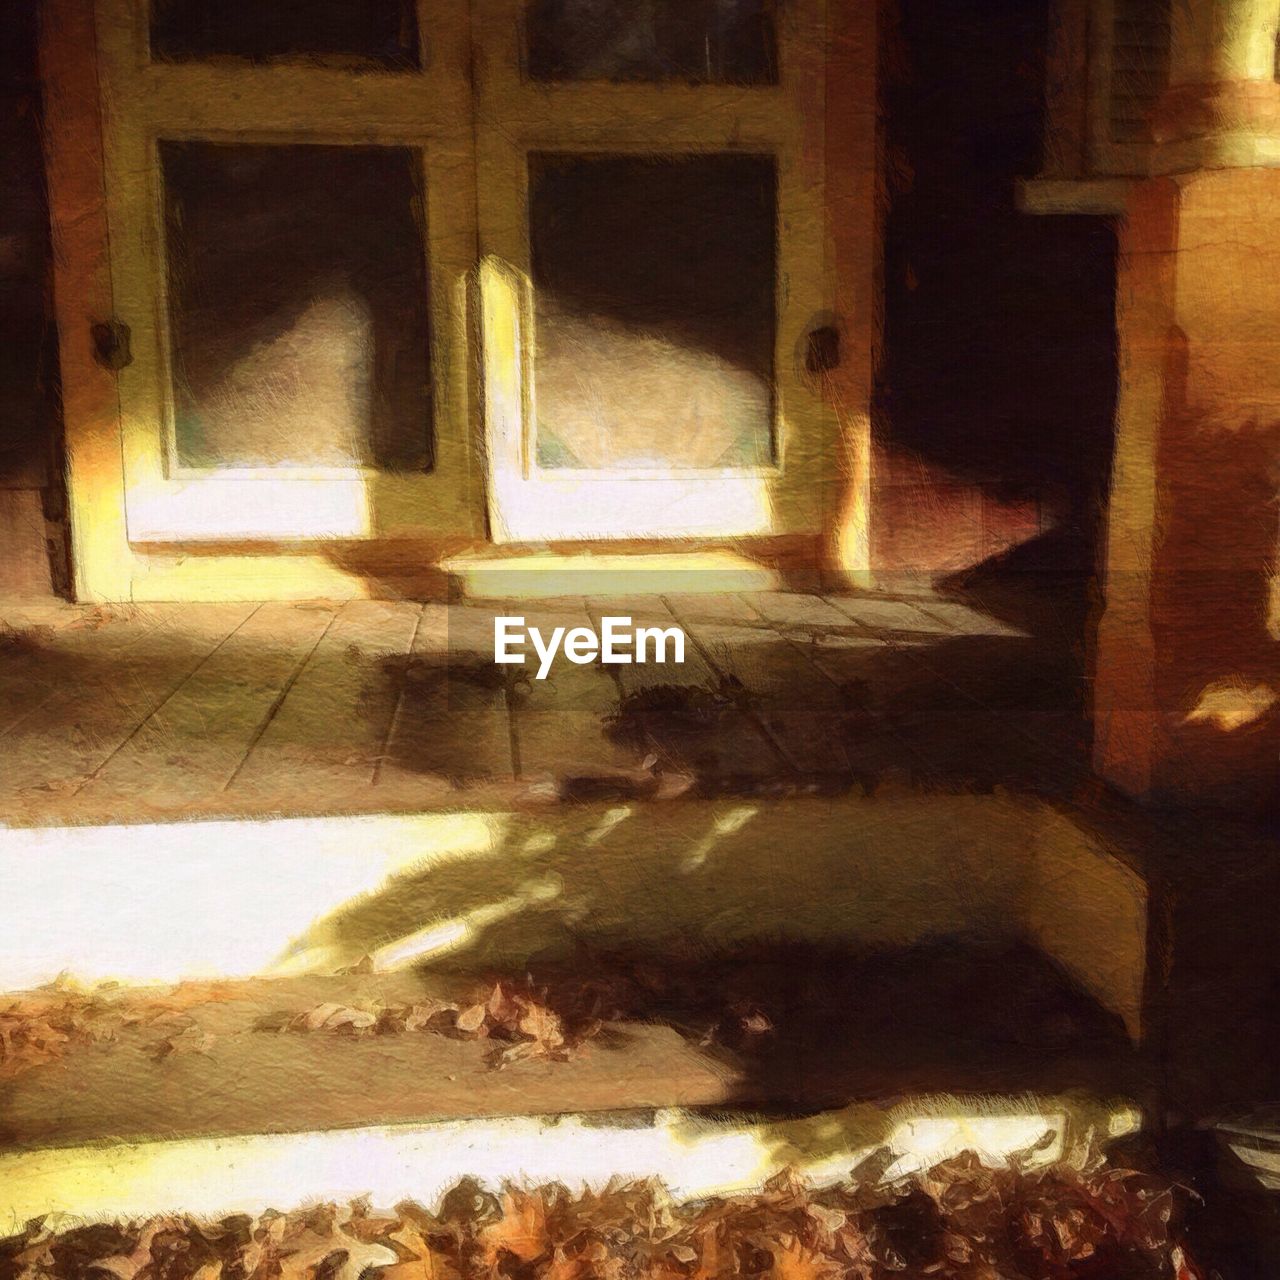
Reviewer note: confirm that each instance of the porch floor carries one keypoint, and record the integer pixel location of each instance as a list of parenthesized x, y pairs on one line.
[(137, 713)]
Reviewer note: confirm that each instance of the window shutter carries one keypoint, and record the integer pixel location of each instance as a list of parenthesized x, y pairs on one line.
[(1139, 66)]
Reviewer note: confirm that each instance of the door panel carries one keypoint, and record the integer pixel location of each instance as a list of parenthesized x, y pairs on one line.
[(291, 244), (358, 33), (653, 257), (298, 307), (634, 41)]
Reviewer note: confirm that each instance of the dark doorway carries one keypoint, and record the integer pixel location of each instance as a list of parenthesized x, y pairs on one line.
[(996, 401), (32, 539)]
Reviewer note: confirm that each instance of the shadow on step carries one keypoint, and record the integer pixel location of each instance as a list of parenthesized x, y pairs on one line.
[(807, 1027)]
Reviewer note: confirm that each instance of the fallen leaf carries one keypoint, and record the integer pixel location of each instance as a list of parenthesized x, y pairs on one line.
[(422, 1263), (472, 1019), (542, 1025), (794, 1261), (522, 1229), (418, 1017), (361, 1257), (502, 1007), (126, 1266), (332, 1016), (189, 1040)]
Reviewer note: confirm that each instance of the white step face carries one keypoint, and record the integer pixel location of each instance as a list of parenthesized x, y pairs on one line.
[(164, 902), (694, 1156)]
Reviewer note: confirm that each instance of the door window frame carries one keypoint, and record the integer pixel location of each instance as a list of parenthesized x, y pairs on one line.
[(518, 116), (424, 109)]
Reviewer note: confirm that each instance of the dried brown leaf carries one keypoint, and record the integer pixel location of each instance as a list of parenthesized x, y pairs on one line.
[(795, 1261), (332, 1016), (471, 1020), (521, 1230), (189, 1040), (541, 1025)]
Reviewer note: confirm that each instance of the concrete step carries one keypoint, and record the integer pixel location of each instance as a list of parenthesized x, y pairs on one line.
[(191, 1098), (266, 912), (791, 1028), (211, 1060), (485, 888)]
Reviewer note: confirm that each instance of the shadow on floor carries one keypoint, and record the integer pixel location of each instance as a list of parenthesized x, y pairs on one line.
[(969, 713), (1044, 586)]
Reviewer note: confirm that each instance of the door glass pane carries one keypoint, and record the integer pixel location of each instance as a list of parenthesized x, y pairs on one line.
[(297, 288), (702, 41), (654, 310), (382, 32)]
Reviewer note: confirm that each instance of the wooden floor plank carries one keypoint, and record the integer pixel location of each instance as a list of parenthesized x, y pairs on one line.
[(454, 724), (946, 708), (109, 684), (729, 606), (44, 648), (33, 661), (876, 669), (398, 709), (721, 745), (794, 610), (131, 709), (795, 710), (882, 615), (650, 611), (191, 747), (956, 618), (561, 722), (327, 734)]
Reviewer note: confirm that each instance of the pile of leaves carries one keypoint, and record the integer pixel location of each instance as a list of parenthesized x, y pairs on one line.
[(37, 1029), (961, 1220), (40, 1027), (521, 1024)]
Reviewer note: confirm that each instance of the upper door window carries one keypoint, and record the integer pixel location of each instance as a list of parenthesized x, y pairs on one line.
[(697, 41), (379, 32), (653, 285), (292, 239), (652, 242), (298, 306)]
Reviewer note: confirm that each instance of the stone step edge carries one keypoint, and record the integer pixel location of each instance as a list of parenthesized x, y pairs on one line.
[(695, 1155)]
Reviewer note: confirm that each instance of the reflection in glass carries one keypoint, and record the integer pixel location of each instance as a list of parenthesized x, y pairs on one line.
[(298, 305), (699, 41), (381, 32), (654, 310)]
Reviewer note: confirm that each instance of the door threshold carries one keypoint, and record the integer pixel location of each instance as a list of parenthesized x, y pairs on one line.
[(498, 575)]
